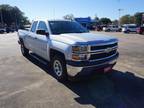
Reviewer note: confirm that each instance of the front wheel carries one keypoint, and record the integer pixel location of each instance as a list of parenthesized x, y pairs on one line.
[(24, 51), (59, 68)]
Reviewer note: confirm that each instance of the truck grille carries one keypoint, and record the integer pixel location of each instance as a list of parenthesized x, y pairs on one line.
[(103, 51), (102, 55), (103, 46)]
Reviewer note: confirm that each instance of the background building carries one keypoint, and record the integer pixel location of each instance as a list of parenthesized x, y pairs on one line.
[(86, 22)]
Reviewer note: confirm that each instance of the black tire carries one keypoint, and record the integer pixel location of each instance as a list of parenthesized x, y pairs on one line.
[(108, 30), (140, 33), (63, 76), (24, 50), (128, 31)]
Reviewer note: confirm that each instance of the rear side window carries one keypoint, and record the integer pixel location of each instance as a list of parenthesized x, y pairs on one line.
[(34, 25), (42, 26)]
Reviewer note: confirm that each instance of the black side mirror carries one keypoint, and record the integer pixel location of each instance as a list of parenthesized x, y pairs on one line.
[(42, 32)]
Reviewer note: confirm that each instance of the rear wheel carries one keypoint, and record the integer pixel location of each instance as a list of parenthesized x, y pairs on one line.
[(128, 31), (24, 51), (108, 30), (59, 68)]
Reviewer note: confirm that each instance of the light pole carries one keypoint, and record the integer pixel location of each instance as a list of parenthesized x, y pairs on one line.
[(119, 10)]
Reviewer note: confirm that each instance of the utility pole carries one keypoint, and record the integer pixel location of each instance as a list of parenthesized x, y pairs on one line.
[(119, 11)]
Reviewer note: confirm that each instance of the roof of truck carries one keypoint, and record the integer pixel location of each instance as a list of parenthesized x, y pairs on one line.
[(51, 20)]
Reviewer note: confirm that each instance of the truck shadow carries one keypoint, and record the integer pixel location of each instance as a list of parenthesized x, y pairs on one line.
[(112, 90)]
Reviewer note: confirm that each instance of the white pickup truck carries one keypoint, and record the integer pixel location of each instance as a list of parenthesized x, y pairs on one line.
[(70, 48), (112, 28)]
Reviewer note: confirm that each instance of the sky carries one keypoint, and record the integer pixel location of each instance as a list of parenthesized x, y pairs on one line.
[(56, 9)]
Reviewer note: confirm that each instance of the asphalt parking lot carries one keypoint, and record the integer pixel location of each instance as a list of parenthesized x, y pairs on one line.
[(28, 83)]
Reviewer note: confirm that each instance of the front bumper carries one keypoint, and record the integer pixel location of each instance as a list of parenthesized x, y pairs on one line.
[(86, 67)]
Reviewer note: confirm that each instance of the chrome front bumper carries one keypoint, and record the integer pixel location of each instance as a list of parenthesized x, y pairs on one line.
[(84, 70)]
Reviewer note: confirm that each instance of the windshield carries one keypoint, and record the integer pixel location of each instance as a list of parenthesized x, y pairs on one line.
[(62, 27)]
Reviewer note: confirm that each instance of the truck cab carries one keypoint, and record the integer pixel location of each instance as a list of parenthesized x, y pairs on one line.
[(70, 48)]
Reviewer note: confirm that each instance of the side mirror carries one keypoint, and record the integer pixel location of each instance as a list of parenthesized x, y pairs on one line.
[(42, 32)]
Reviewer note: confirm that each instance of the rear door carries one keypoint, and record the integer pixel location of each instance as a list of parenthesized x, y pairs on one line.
[(42, 41)]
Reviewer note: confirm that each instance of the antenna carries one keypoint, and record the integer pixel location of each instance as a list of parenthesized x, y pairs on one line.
[(54, 13)]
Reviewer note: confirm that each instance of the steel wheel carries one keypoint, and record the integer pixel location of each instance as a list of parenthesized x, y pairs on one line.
[(57, 68)]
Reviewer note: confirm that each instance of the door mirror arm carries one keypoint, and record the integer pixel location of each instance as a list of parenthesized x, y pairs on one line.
[(47, 34)]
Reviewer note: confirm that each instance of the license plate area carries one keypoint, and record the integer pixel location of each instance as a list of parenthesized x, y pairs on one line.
[(112, 62), (107, 69)]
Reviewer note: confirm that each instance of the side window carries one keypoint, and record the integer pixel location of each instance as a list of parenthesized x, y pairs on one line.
[(34, 25), (42, 26)]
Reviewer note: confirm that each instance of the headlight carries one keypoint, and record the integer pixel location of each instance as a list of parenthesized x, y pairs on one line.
[(79, 57), (80, 53), (79, 49)]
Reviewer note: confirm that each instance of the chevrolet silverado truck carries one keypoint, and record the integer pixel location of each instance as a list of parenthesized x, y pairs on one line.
[(70, 48)]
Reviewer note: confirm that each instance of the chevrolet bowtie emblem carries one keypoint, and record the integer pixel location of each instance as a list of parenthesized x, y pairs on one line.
[(108, 50)]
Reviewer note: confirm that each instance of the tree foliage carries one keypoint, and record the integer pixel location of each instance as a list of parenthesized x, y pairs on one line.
[(69, 17), (115, 22), (135, 19), (125, 19), (12, 15), (105, 21), (138, 18)]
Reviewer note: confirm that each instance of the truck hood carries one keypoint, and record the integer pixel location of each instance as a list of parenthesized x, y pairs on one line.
[(84, 38)]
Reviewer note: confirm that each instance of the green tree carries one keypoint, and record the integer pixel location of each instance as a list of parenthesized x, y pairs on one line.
[(96, 18), (126, 19), (138, 18), (115, 22), (105, 21), (13, 15), (69, 17)]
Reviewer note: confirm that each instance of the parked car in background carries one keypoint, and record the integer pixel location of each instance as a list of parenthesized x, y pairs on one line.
[(140, 30), (127, 28), (2, 30), (9, 29), (112, 28), (99, 28)]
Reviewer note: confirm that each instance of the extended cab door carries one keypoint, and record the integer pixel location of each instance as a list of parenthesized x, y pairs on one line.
[(30, 38), (42, 41)]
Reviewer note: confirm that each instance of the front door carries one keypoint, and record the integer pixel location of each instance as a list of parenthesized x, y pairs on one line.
[(42, 42)]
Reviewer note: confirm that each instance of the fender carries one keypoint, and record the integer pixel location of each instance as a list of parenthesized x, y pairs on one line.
[(61, 47)]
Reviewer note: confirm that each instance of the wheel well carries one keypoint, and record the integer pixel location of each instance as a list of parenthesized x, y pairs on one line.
[(55, 52)]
